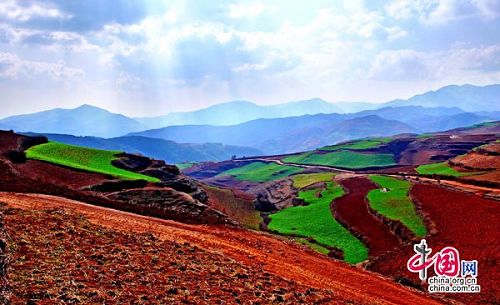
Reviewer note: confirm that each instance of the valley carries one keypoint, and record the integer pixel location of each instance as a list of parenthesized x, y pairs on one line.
[(248, 152), (331, 225)]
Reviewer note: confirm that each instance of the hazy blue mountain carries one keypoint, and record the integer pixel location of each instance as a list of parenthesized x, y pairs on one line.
[(237, 112), (169, 151), (456, 121), (466, 97), (85, 120), (252, 125), (352, 107), (426, 119), (284, 135)]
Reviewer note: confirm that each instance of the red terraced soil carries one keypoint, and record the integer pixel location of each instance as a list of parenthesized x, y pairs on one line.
[(8, 141), (349, 285), (352, 209), (465, 221), (58, 175)]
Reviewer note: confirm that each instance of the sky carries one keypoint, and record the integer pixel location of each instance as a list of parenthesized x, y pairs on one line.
[(147, 57)]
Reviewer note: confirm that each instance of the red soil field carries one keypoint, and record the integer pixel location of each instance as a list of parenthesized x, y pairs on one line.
[(464, 221), (254, 250), (477, 161), (235, 204), (352, 210), (8, 141), (58, 175), (59, 257)]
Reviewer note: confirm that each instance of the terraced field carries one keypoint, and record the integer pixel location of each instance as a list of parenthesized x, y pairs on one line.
[(83, 158), (359, 145), (352, 209), (343, 159), (465, 221), (303, 180), (392, 201), (261, 172), (442, 169), (315, 220)]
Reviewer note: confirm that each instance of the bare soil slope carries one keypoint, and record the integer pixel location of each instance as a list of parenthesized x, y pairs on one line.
[(264, 258)]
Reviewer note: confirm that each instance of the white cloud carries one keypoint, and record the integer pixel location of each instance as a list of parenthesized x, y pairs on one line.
[(439, 12), (246, 10), (12, 10), (459, 64), (14, 68)]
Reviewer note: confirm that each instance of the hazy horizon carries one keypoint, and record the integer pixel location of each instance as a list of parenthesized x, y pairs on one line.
[(147, 58), (132, 115)]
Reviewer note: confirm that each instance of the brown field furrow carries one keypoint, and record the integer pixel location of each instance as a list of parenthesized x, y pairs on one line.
[(352, 209), (250, 248), (465, 221)]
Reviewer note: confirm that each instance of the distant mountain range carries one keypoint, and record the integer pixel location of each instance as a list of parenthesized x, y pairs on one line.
[(292, 134), (284, 135), (289, 127), (85, 120), (169, 151), (466, 97), (237, 112)]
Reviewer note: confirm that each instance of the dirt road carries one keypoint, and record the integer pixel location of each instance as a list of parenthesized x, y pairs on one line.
[(251, 248)]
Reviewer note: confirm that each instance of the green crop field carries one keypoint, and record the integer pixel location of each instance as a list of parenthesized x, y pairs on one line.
[(83, 158), (185, 165), (344, 159), (442, 169), (261, 172), (395, 204), (316, 221), (425, 136), (303, 180), (359, 145)]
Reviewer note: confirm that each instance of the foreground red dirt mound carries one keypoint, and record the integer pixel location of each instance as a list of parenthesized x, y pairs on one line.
[(59, 257), (352, 210), (266, 260), (175, 197), (469, 223)]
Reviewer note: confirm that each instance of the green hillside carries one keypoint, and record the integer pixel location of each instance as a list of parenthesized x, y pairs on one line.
[(359, 145), (344, 159), (315, 220), (441, 168), (392, 201), (261, 172), (88, 159)]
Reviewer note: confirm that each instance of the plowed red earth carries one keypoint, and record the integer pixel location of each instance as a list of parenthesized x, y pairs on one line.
[(57, 175), (253, 249), (352, 209), (464, 221)]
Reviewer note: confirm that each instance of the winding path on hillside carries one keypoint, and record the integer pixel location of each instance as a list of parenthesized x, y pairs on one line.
[(456, 185), (281, 257), (352, 209)]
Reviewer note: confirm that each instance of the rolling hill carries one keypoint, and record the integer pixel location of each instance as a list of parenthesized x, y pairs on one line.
[(84, 120), (467, 97), (426, 119), (285, 134), (447, 108), (236, 112), (292, 134), (169, 151)]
